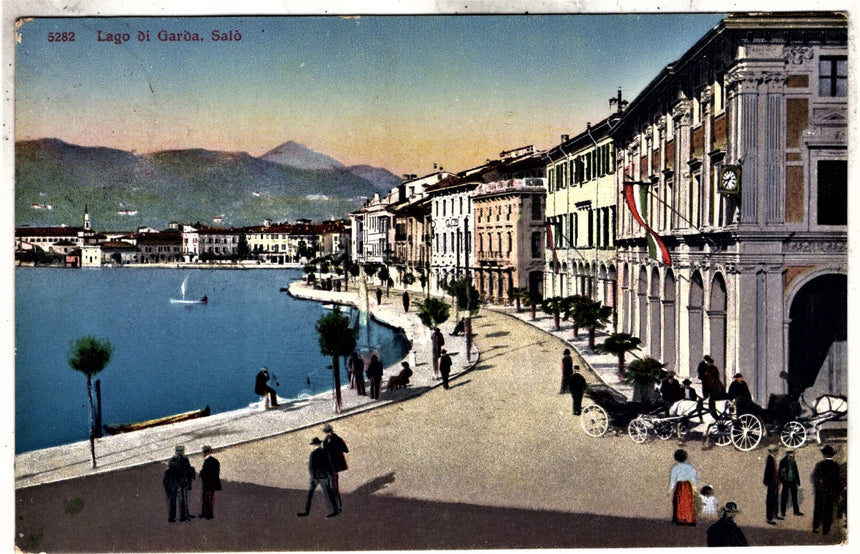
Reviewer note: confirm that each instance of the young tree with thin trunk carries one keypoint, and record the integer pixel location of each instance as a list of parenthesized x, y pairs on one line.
[(90, 355), (336, 339), (619, 344)]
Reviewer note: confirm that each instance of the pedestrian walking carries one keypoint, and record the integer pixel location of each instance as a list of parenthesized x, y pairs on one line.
[(374, 374), (438, 341), (566, 371), (210, 481), (716, 390), (827, 487), (319, 468), (355, 365), (177, 481), (405, 301), (771, 481), (789, 479), (710, 504), (445, 367), (262, 388), (725, 532), (336, 449), (670, 389), (378, 297), (577, 389), (682, 484)]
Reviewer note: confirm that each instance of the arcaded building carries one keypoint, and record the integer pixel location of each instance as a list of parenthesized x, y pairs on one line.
[(735, 158)]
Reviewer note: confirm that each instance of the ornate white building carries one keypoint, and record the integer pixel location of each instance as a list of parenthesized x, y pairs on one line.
[(740, 150)]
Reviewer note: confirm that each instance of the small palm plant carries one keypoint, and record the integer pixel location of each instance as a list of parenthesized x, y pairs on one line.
[(554, 306), (90, 355), (592, 315), (619, 344), (644, 374)]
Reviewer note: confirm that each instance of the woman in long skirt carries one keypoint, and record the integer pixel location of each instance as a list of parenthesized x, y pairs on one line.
[(683, 486)]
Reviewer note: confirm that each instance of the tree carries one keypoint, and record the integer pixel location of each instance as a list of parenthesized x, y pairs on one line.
[(408, 279), (644, 374), (432, 312), (336, 339), (619, 344), (592, 314), (519, 295), (571, 305), (465, 294), (554, 306), (533, 300), (90, 355), (384, 277)]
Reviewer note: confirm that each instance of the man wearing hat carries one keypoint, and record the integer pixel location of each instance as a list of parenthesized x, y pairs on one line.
[(177, 482), (771, 481), (670, 389), (566, 371), (210, 481), (725, 532), (789, 478), (577, 389), (319, 468), (738, 388), (445, 367), (336, 449), (827, 486), (437, 341), (688, 392)]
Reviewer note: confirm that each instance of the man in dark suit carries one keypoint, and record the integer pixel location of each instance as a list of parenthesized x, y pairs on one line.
[(827, 485), (771, 481), (577, 389), (319, 468), (725, 532), (261, 387), (210, 480), (688, 392), (789, 477), (336, 449), (177, 482)]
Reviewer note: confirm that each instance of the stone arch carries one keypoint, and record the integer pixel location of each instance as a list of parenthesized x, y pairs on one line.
[(717, 305), (642, 304), (669, 355), (654, 329), (695, 327), (817, 334)]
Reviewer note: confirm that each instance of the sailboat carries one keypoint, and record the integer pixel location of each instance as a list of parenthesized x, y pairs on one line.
[(183, 300)]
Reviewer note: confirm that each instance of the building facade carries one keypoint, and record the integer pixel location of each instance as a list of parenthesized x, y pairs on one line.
[(581, 213), (735, 157)]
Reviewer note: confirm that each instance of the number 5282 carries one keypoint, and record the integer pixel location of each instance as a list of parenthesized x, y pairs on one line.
[(61, 36)]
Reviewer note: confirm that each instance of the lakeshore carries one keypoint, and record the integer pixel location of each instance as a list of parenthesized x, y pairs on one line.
[(496, 461)]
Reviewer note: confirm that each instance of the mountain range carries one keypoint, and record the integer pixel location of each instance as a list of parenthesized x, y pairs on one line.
[(55, 181)]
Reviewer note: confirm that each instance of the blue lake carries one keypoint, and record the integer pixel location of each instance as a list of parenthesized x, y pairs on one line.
[(168, 358)]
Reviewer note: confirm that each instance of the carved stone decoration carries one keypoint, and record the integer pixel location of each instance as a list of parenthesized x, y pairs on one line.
[(808, 246), (682, 112), (797, 54), (706, 96)]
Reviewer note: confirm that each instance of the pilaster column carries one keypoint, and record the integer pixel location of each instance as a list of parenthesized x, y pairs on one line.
[(683, 118), (774, 148), (708, 190), (743, 88)]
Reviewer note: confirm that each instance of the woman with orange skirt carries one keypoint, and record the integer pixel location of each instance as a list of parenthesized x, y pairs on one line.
[(683, 486)]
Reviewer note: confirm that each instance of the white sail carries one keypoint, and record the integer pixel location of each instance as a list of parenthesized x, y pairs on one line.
[(184, 286)]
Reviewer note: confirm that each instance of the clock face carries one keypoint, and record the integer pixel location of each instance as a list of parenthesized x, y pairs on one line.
[(730, 179)]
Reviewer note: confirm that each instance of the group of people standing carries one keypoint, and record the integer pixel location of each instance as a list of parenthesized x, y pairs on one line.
[(572, 381), (356, 369), (779, 477), (326, 461), (179, 477)]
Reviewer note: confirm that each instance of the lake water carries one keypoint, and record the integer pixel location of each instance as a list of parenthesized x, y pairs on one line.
[(168, 358)]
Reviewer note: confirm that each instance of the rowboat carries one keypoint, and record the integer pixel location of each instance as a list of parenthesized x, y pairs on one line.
[(129, 427)]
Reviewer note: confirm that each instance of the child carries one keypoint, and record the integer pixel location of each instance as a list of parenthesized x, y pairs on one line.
[(709, 503)]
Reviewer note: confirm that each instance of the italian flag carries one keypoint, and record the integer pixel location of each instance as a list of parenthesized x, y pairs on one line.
[(636, 195)]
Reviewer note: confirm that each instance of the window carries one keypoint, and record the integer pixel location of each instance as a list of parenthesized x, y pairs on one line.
[(832, 192), (537, 212), (537, 241), (833, 76)]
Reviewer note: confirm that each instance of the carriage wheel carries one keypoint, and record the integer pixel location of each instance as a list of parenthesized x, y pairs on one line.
[(638, 431), (747, 431), (664, 430), (594, 420), (721, 432), (793, 434)]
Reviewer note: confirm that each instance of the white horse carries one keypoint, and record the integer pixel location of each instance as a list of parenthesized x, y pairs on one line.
[(699, 413), (826, 408)]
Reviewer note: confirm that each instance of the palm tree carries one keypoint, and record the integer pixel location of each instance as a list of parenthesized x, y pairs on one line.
[(432, 312), (591, 314), (619, 344), (533, 300), (644, 374), (90, 355), (385, 279), (554, 306), (571, 305), (336, 339), (519, 295)]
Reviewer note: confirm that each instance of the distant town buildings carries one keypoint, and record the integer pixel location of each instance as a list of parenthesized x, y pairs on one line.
[(710, 212)]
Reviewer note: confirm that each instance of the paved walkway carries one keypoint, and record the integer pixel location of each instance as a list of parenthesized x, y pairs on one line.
[(253, 423)]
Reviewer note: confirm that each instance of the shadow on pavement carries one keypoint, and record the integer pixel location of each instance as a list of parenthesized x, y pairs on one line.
[(125, 511)]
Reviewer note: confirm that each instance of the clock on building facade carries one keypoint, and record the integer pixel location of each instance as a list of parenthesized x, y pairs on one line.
[(730, 179)]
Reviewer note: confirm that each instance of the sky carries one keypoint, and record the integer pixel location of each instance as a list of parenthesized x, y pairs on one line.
[(400, 92)]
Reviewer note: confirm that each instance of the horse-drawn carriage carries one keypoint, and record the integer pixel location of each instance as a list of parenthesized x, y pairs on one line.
[(739, 422)]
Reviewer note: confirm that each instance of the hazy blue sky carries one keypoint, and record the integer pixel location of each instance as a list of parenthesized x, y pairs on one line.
[(397, 92)]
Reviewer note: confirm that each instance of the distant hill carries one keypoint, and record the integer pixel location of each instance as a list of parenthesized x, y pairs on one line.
[(181, 185), (383, 179)]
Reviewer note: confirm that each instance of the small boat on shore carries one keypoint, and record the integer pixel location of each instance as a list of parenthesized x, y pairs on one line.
[(129, 427)]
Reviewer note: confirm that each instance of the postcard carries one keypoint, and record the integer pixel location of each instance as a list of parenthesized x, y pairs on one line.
[(442, 276)]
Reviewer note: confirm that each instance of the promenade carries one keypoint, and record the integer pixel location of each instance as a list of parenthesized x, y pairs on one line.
[(496, 461)]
